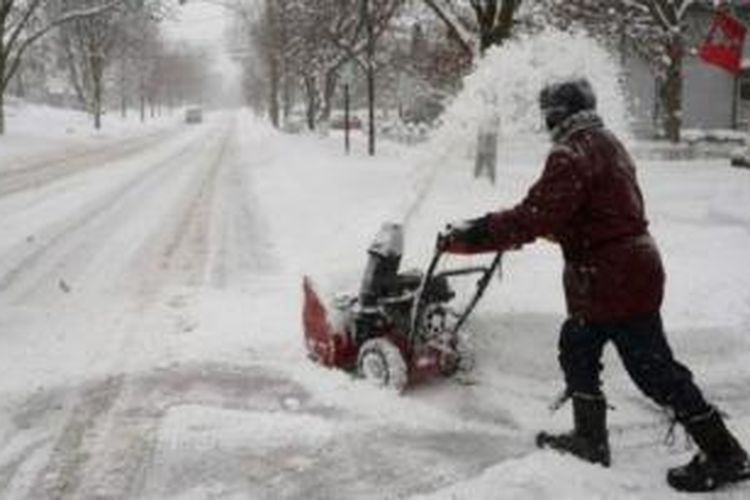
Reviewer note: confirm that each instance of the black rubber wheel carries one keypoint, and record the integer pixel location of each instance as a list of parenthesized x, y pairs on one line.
[(381, 363)]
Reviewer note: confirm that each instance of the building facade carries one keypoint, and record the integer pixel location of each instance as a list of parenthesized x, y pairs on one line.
[(713, 99)]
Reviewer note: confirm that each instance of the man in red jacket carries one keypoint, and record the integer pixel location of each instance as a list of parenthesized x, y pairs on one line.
[(589, 201)]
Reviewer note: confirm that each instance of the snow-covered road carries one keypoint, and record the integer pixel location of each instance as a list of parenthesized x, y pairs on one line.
[(150, 341), (108, 256), (92, 243)]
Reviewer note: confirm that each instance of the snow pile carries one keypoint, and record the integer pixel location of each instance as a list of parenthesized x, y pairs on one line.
[(543, 475), (714, 135)]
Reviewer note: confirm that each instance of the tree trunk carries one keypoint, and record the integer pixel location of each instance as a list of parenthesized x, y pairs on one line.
[(2, 90), (494, 28), (312, 101), (370, 79), (274, 65), (2, 77), (371, 109), (143, 105), (287, 95), (495, 25), (96, 73), (273, 97), (672, 93), (329, 89), (2, 111), (20, 85)]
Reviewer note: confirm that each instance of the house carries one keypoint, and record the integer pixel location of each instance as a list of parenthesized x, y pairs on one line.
[(712, 97)]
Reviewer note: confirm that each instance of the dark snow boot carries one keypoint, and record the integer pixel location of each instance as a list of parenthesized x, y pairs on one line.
[(721, 460), (588, 440)]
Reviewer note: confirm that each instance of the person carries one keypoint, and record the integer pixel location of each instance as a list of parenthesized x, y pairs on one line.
[(589, 201)]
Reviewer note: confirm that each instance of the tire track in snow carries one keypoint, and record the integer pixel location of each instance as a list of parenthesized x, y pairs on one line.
[(181, 248), (241, 248), (214, 234), (115, 444), (137, 440), (60, 475), (88, 423), (18, 278), (51, 168), (59, 478), (128, 435), (123, 436), (105, 447)]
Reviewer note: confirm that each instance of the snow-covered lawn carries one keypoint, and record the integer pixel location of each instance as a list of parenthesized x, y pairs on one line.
[(34, 132), (151, 342)]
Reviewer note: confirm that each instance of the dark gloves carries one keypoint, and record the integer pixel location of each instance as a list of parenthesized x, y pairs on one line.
[(466, 237)]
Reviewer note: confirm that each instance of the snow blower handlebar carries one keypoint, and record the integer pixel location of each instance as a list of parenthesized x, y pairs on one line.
[(431, 274), (482, 283)]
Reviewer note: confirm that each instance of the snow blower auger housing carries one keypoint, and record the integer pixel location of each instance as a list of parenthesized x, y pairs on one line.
[(401, 327)]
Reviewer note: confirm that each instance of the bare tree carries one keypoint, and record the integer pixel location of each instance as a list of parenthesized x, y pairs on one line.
[(307, 43), (331, 34), (260, 30), (658, 30), (138, 44), (90, 45), (22, 23), (477, 24), (139, 51)]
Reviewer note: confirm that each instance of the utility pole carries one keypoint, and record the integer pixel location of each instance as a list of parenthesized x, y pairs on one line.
[(347, 78), (347, 143), (370, 75)]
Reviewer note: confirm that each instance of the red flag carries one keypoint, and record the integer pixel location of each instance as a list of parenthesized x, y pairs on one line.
[(723, 45)]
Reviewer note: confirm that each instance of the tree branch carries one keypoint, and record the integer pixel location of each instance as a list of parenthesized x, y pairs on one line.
[(15, 58), (467, 39)]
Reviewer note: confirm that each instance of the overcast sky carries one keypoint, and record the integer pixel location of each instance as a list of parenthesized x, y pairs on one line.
[(203, 23), (199, 22)]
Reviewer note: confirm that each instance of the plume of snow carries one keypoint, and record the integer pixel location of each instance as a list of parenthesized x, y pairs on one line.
[(505, 87), (508, 79)]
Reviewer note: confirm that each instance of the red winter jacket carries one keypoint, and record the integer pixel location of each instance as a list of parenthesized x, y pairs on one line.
[(588, 200)]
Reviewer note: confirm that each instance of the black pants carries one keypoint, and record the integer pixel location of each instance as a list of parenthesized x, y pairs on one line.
[(644, 351)]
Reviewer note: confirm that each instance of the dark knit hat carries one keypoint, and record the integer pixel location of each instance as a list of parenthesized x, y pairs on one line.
[(562, 99)]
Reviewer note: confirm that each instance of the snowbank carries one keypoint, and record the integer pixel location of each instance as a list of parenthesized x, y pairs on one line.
[(34, 129)]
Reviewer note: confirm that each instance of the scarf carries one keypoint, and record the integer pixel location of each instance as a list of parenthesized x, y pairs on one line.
[(579, 121)]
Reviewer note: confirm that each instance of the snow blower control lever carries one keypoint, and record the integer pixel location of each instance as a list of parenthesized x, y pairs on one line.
[(402, 326), (485, 272)]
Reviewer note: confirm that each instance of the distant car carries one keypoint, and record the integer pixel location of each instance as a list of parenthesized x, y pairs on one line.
[(338, 122), (193, 115)]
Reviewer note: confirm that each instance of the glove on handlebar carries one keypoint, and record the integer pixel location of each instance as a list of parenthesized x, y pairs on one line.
[(466, 237)]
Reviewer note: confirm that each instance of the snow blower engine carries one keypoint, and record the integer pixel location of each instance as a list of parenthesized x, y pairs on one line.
[(401, 327)]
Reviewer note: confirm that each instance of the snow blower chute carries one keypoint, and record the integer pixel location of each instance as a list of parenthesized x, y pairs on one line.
[(401, 327)]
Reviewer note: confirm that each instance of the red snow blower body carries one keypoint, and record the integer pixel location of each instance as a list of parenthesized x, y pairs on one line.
[(401, 327)]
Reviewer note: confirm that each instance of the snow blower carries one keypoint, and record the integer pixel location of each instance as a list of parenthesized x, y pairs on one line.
[(401, 327)]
